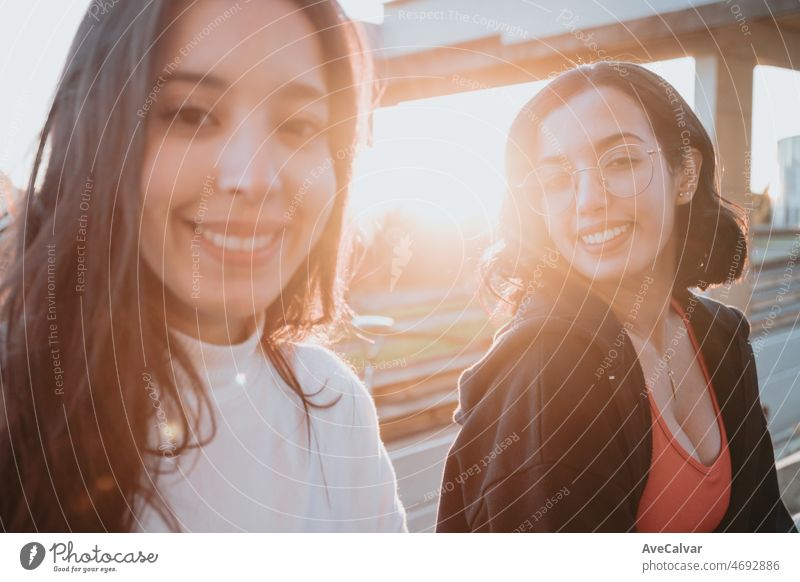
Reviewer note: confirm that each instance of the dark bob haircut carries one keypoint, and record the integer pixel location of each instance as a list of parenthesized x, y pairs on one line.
[(710, 231)]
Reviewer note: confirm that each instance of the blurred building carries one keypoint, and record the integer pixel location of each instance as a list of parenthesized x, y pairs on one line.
[(9, 195), (786, 207)]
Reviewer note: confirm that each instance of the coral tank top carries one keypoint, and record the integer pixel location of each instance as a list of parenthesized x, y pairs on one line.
[(681, 493)]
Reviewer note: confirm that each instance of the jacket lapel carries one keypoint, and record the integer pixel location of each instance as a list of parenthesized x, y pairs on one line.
[(721, 350)]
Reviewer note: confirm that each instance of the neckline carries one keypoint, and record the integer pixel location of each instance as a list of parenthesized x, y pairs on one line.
[(673, 441), (225, 368), (675, 444)]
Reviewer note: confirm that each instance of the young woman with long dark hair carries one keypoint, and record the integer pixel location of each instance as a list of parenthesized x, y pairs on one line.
[(616, 399), (179, 241)]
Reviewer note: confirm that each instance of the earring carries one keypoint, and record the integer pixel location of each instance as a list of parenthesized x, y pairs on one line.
[(683, 194)]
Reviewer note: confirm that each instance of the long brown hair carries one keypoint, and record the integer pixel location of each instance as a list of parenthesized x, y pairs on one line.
[(83, 343)]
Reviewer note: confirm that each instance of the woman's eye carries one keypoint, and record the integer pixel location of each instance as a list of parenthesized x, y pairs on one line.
[(624, 157), (620, 161), (192, 116), (301, 129), (553, 179), (623, 161), (561, 180)]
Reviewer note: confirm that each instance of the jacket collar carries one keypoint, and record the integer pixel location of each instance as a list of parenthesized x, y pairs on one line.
[(576, 305), (569, 309), (575, 308), (733, 375), (588, 312)]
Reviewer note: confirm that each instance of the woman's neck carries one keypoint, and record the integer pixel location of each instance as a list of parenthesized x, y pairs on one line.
[(642, 302), (228, 329)]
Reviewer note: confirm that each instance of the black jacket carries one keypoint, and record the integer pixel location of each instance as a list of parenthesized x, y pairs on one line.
[(556, 424)]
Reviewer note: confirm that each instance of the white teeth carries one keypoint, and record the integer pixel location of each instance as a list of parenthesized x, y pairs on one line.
[(237, 243), (597, 238)]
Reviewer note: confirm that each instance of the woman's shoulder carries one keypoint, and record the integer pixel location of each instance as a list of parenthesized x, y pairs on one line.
[(529, 359), (550, 336), (318, 368), (341, 406), (731, 318)]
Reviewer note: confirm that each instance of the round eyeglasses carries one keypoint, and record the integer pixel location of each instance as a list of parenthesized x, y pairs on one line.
[(625, 171)]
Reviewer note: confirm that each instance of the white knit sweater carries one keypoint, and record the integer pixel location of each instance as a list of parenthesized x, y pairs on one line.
[(260, 473)]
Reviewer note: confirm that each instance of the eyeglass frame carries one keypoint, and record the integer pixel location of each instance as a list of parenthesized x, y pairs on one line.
[(572, 174)]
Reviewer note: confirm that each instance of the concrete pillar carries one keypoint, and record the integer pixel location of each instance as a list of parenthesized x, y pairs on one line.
[(724, 103), (705, 91)]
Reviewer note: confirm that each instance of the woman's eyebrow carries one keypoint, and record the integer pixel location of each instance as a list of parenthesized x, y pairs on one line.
[(298, 91), (202, 79), (302, 91), (624, 136)]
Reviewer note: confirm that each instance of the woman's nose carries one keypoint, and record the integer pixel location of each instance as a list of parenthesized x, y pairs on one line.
[(590, 190), (246, 165)]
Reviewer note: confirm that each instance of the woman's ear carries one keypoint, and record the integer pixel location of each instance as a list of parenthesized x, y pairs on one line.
[(692, 161)]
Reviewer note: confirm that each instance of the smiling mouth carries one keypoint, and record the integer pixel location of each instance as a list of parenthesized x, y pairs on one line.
[(229, 242), (601, 237)]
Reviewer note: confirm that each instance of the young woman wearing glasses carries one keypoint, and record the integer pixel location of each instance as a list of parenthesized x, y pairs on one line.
[(616, 399)]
